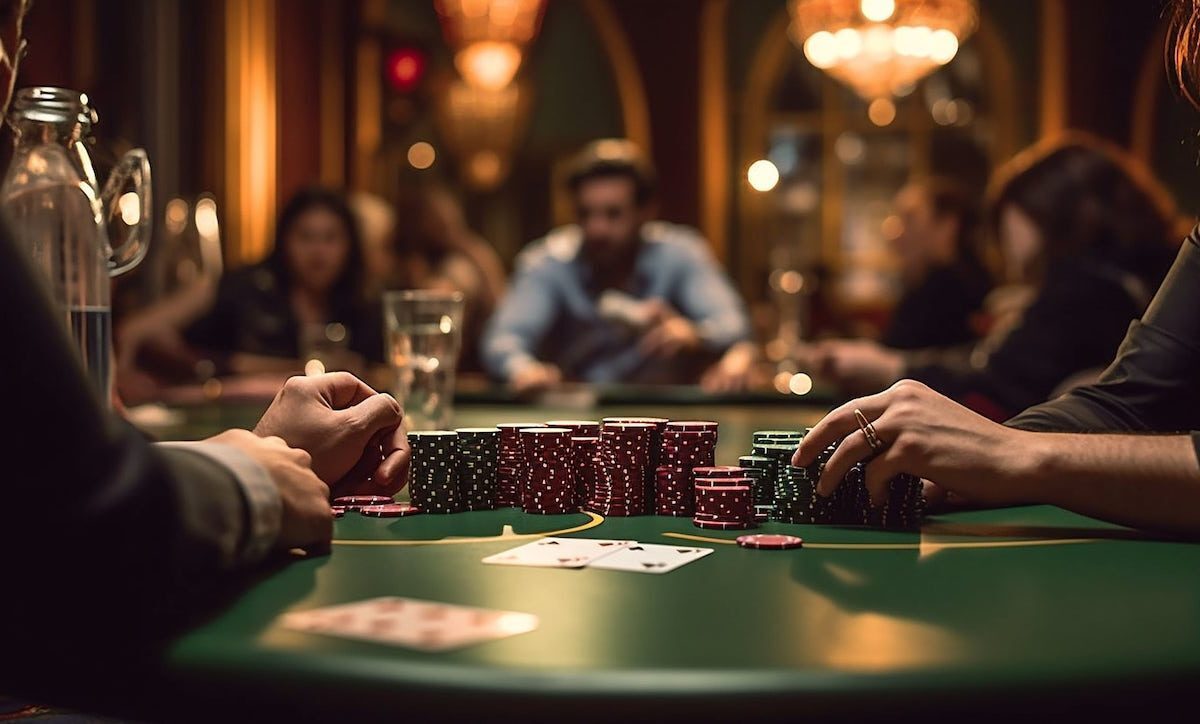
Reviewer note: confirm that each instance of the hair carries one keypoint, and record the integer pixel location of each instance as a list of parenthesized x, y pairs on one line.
[(948, 198), (346, 294), (1183, 49), (614, 158), (1089, 198)]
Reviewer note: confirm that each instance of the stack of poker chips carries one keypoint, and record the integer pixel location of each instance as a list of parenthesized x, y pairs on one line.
[(762, 470), (549, 485), (585, 454), (724, 498), (686, 444), (851, 501), (622, 463), (432, 474), (903, 507), (510, 470), (585, 437), (478, 458), (660, 424)]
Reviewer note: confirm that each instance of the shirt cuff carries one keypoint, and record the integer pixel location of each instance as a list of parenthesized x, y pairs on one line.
[(263, 505)]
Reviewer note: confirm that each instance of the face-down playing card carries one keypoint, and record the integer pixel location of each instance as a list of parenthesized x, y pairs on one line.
[(412, 623)]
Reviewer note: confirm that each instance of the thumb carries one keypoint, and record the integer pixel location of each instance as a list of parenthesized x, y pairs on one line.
[(377, 412)]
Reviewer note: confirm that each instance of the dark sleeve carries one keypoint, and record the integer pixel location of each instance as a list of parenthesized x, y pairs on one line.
[(216, 330), (936, 313), (1074, 324), (104, 537), (1154, 383)]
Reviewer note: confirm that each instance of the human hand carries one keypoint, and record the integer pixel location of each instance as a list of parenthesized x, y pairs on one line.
[(307, 519), (535, 377), (924, 434), (732, 372), (669, 333), (855, 364), (352, 432)]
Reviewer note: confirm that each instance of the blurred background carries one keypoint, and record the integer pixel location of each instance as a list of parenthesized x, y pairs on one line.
[(779, 135)]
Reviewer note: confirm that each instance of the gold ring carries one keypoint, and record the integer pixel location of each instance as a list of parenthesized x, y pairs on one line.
[(868, 430)]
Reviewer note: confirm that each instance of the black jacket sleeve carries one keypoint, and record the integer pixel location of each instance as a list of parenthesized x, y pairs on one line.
[(105, 537), (1154, 383), (1074, 324)]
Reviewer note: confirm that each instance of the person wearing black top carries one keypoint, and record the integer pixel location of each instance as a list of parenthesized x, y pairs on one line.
[(110, 541), (1124, 449), (312, 281), (1091, 234), (944, 280)]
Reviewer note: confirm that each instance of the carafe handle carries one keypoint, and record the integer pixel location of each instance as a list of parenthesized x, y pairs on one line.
[(134, 167)]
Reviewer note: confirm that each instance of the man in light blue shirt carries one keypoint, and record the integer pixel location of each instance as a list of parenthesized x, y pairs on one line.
[(618, 297)]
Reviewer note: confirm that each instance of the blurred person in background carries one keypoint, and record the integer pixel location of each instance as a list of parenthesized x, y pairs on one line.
[(1093, 234), (376, 220), (933, 231), (618, 297), (936, 240), (306, 298), (433, 248)]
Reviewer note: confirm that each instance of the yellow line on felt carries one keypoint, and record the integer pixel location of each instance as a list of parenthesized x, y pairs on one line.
[(594, 521), (906, 546)]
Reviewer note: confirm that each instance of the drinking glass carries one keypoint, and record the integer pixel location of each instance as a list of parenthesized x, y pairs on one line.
[(423, 337)]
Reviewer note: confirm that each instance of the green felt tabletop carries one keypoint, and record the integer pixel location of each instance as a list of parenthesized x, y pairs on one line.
[(1000, 605)]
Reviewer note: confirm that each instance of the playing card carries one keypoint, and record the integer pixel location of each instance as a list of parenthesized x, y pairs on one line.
[(412, 623), (650, 558), (558, 552)]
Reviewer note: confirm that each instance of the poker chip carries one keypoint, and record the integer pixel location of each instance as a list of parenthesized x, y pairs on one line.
[(624, 469), (548, 485), (338, 510), (770, 541), (477, 467), (395, 510), (511, 463), (720, 524), (433, 471), (357, 502)]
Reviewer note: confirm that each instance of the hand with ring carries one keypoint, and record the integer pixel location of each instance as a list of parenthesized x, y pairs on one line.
[(909, 428)]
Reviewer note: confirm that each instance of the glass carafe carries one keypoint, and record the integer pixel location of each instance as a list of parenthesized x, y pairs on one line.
[(58, 210)]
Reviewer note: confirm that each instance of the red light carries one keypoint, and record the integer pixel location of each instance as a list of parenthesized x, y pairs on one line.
[(405, 67)]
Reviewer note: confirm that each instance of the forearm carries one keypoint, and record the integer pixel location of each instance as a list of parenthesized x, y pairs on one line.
[(1142, 481)]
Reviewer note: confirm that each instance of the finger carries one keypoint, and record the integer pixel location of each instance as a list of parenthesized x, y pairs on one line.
[(934, 494), (852, 449), (838, 424), (880, 472), (340, 390), (378, 412), (392, 471)]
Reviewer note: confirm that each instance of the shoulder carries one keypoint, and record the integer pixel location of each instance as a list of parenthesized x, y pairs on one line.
[(554, 250), (676, 241)]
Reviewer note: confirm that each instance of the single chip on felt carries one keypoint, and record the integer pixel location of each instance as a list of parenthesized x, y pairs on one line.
[(359, 500), (392, 510), (770, 541)]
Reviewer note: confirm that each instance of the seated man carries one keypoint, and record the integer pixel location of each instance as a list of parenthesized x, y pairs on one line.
[(617, 297), (110, 541)]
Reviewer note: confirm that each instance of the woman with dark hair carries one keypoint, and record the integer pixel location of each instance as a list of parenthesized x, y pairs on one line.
[(305, 299), (1138, 463), (1091, 234), (936, 224)]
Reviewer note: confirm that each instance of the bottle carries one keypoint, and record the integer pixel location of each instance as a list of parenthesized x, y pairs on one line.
[(58, 211)]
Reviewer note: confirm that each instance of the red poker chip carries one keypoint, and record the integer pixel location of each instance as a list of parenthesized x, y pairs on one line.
[(392, 510), (338, 510), (721, 524), (361, 500), (770, 541)]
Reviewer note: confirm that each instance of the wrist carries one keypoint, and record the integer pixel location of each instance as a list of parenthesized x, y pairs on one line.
[(1033, 461)]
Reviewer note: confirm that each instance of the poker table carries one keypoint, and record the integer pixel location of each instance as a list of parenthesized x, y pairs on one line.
[(987, 613)]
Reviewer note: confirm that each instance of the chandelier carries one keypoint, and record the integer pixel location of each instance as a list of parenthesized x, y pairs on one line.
[(488, 37), (881, 47)]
